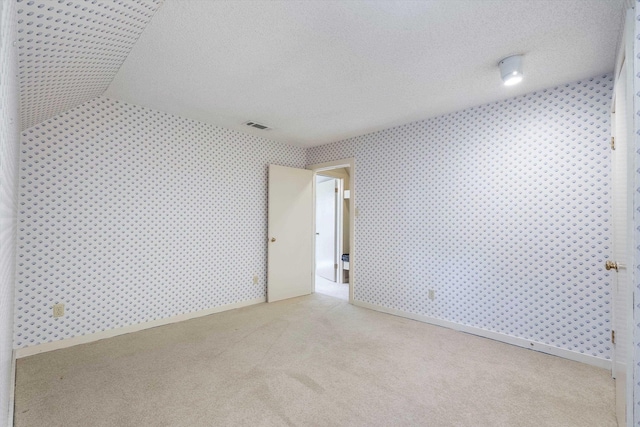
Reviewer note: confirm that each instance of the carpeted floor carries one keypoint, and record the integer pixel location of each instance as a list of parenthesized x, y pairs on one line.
[(313, 360)]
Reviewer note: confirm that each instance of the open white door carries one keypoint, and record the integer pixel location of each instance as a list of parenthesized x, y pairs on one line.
[(290, 254), (326, 229), (621, 205), (622, 213)]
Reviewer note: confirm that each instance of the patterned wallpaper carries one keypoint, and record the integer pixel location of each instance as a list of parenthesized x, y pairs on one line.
[(9, 122), (70, 51), (128, 215), (502, 209)]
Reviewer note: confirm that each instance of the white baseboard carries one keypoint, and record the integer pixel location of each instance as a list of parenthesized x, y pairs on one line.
[(508, 339), (83, 339)]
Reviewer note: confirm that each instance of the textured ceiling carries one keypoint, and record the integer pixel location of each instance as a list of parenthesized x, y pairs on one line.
[(70, 50), (320, 71)]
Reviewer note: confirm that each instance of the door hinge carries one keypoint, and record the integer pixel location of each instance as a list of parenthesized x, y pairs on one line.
[(613, 337), (336, 189), (613, 143), (335, 266)]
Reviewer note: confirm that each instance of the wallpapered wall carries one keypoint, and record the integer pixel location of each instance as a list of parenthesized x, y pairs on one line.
[(9, 122), (502, 209), (70, 51), (128, 215)]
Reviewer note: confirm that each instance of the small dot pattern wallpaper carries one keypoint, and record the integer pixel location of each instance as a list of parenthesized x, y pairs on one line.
[(502, 209), (70, 51), (128, 215)]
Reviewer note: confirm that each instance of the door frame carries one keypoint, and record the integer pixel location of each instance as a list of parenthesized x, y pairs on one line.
[(625, 56), (337, 164), (339, 227)]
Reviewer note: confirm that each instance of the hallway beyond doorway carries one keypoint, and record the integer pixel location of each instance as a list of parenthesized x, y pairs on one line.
[(327, 287)]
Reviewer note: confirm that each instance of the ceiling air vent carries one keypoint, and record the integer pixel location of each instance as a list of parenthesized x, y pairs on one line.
[(257, 126)]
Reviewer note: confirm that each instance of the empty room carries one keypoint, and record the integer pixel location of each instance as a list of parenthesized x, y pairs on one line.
[(328, 213)]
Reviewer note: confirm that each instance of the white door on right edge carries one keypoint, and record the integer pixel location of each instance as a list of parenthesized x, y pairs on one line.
[(622, 305)]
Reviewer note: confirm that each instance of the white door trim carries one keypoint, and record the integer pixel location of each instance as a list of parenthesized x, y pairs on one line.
[(12, 391), (629, 39), (339, 228), (336, 164)]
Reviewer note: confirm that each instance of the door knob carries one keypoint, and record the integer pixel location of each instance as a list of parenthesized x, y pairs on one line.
[(613, 265), (273, 239)]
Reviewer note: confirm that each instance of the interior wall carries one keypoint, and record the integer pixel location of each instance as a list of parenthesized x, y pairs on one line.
[(128, 215), (9, 123), (503, 210)]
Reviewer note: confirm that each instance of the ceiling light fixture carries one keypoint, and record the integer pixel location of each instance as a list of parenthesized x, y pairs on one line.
[(511, 70)]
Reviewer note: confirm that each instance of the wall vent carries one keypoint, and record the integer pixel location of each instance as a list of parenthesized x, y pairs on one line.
[(257, 126)]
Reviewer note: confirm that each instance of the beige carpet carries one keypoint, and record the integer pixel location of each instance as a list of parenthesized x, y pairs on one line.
[(313, 360)]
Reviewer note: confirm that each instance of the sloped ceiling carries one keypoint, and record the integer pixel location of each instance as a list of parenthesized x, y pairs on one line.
[(320, 71), (70, 50)]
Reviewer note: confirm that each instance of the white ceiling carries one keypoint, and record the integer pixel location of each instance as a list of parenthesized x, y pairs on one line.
[(320, 71)]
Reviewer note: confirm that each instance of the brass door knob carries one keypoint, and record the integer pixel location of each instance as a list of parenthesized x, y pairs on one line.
[(611, 265), (273, 239)]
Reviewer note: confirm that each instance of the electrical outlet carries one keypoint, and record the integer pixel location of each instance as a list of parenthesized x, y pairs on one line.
[(432, 294), (58, 310), (255, 279)]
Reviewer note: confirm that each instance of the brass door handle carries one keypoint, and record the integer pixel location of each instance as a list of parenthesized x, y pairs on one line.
[(273, 239), (612, 265)]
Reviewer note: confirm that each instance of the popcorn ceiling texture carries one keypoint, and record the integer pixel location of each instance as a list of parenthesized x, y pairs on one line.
[(70, 51), (320, 71), (129, 215), (502, 209)]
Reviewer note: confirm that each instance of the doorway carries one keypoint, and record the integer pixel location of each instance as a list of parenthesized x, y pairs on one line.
[(334, 231), (330, 243), (328, 224)]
